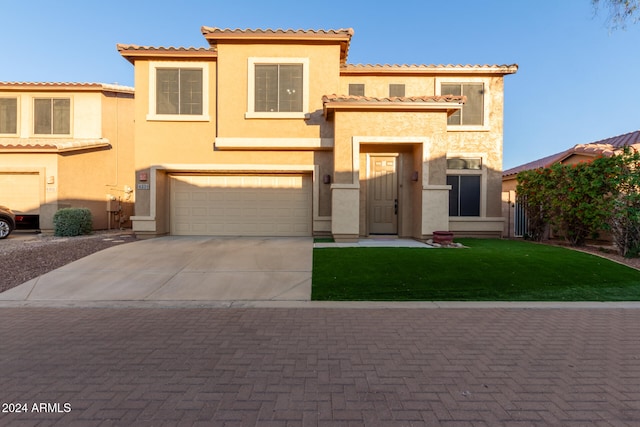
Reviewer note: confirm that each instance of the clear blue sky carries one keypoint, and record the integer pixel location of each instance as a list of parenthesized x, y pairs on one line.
[(578, 81)]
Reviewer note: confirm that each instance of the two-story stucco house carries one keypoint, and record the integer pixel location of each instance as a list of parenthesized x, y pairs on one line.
[(273, 132), (67, 145)]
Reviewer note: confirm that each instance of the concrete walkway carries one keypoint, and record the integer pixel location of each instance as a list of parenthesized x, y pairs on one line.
[(181, 269)]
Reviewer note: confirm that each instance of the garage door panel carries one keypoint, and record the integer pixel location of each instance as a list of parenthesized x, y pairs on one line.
[(260, 205), (21, 191)]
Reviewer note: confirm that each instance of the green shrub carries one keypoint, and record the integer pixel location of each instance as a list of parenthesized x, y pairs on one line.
[(72, 222)]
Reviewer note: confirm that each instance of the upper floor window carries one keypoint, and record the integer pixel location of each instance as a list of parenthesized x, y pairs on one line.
[(356, 89), (278, 87), (52, 116), (8, 115), (179, 91), (472, 113), (396, 90)]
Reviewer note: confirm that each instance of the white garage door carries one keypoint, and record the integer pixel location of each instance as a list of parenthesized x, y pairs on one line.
[(241, 205), (20, 192)]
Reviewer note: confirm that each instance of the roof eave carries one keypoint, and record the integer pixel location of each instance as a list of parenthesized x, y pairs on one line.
[(133, 53), (332, 106), (394, 69)]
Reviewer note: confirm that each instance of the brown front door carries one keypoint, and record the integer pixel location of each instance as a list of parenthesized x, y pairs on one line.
[(383, 195)]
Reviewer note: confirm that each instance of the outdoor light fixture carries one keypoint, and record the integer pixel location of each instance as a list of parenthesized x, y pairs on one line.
[(326, 179), (414, 176)]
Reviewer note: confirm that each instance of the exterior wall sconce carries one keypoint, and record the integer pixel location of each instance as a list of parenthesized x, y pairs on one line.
[(326, 179), (414, 176)]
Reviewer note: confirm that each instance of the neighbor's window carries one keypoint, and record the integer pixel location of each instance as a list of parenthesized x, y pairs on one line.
[(278, 88), (356, 89), (396, 90), (52, 116), (464, 196), (472, 113), (9, 115), (179, 91)]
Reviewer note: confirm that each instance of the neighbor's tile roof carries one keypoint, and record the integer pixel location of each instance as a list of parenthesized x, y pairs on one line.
[(40, 145), (66, 86), (132, 51), (603, 147), (428, 69)]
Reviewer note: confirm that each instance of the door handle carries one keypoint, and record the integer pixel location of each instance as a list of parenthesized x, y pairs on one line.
[(395, 206)]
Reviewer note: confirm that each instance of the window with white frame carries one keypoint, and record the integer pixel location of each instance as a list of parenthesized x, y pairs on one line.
[(8, 116), (52, 116), (278, 87), (178, 91)]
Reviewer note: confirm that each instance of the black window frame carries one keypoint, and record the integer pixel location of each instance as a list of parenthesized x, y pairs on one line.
[(465, 195)]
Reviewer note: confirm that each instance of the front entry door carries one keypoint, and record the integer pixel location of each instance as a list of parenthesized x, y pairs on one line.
[(383, 195)]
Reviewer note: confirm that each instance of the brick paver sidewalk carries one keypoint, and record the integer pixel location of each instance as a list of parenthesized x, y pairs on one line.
[(308, 366)]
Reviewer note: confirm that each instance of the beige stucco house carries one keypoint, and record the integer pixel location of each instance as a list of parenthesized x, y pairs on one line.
[(273, 132), (67, 145)]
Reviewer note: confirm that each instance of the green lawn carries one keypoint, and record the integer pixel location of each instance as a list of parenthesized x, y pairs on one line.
[(488, 270)]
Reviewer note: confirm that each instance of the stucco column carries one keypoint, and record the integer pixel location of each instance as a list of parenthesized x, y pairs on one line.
[(345, 216), (435, 209)]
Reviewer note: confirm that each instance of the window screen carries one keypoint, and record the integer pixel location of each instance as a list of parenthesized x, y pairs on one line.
[(356, 89), (464, 196), (278, 88), (52, 116), (396, 90), (8, 115), (472, 113), (179, 91)]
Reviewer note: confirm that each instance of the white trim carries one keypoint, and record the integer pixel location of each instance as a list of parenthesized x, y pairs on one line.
[(274, 143), (151, 114), (486, 125), (251, 80)]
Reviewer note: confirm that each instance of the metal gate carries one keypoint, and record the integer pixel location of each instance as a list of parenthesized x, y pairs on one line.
[(520, 222)]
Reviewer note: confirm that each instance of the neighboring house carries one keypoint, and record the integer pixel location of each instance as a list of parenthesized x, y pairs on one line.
[(66, 145), (515, 222), (272, 132)]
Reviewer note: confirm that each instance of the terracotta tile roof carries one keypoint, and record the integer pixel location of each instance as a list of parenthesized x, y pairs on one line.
[(394, 99), (428, 69), (259, 32), (44, 145), (350, 102), (66, 86), (131, 52), (341, 36), (603, 147)]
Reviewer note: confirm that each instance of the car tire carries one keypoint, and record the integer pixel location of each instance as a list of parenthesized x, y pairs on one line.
[(5, 228)]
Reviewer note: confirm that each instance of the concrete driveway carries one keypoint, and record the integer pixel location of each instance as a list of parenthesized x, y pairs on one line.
[(177, 268)]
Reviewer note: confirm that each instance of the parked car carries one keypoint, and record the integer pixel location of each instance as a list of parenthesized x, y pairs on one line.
[(7, 221)]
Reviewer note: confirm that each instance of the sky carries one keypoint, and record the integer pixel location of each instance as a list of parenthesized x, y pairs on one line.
[(578, 80)]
